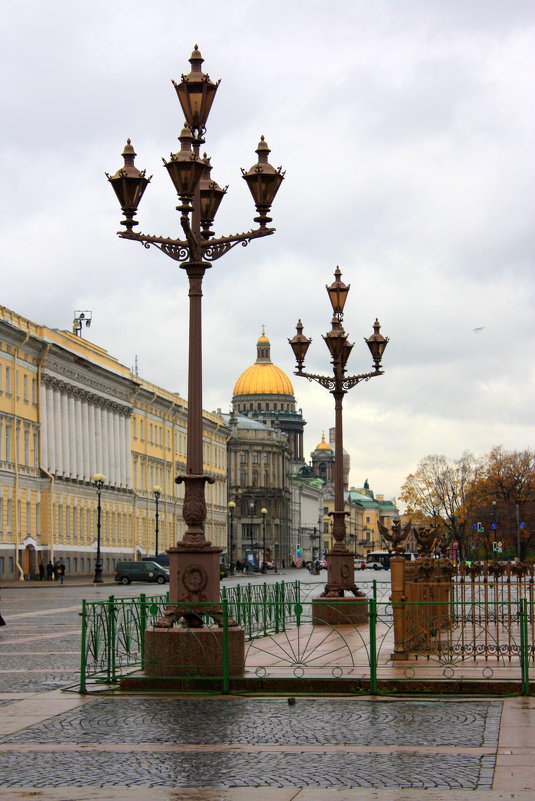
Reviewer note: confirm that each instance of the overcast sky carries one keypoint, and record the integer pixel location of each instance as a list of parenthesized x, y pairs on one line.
[(406, 128)]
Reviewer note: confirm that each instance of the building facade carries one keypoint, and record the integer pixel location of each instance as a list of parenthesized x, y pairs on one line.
[(68, 410)]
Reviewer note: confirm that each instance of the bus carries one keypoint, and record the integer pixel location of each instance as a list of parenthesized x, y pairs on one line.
[(380, 560)]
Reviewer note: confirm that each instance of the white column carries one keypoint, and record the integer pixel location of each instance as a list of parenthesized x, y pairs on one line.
[(93, 439), (111, 447), (79, 467), (58, 466), (117, 449), (104, 456), (122, 463), (64, 434), (86, 442), (128, 452), (71, 426), (43, 433)]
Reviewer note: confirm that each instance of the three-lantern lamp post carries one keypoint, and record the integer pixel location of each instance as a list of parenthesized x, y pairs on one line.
[(340, 569)]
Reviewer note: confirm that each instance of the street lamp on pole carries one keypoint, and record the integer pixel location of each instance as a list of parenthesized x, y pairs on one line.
[(157, 492), (98, 480), (199, 197), (340, 575), (263, 512), (251, 509), (231, 508)]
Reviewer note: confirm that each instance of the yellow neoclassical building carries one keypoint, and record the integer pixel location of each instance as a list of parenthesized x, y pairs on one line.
[(68, 410)]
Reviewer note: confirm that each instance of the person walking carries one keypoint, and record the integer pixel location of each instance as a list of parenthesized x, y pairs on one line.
[(61, 571), (55, 568), (41, 571), (50, 571)]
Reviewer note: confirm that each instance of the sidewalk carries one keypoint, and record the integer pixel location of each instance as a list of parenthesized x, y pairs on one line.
[(76, 749)]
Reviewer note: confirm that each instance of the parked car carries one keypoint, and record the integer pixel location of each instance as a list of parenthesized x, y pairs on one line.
[(224, 570), (360, 564), (162, 559), (125, 572)]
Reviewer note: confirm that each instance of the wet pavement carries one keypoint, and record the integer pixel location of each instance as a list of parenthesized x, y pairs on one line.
[(59, 745)]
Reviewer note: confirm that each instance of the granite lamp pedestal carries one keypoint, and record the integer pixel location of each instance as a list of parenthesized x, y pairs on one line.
[(333, 607), (193, 648)]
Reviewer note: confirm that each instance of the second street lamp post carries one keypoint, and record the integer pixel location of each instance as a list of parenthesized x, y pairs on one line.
[(98, 480), (194, 562), (340, 570), (157, 492), (231, 507)]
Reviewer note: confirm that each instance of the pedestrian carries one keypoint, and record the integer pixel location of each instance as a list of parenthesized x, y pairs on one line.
[(41, 571), (238, 566), (56, 570), (50, 571), (61, 572)]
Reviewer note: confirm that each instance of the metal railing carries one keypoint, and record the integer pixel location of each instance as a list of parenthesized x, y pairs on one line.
[(448, 642)]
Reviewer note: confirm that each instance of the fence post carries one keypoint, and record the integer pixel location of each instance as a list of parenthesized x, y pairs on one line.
[(111, 639), (83, 645), (142, 627), (264, 609), (524, 646), (372, 618), (226, 666)]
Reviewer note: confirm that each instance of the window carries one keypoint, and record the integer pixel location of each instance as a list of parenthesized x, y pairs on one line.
[(243, 457), (25, 389), (367, 520), (266, 458), (8, 440), (254, 457), (34, 391), (8, 380)]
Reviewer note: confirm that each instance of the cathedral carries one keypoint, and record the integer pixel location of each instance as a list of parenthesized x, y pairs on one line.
[(266, 462)]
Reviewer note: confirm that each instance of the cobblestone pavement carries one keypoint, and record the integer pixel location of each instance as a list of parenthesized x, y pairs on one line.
[(59, 746)]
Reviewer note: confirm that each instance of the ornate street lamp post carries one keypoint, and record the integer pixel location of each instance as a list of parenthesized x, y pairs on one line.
[(263, 512), (194, 563), (98, 480), (231, 507), (340, 572), (157, 492)]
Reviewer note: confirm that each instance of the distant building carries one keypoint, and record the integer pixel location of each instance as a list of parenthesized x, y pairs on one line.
[(68, 410), (266, 465)]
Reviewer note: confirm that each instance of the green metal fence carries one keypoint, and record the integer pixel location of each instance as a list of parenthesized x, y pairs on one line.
[(449, 644)]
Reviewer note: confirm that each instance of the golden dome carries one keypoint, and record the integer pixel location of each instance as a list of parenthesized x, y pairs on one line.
[(263, 377), (323, 445)]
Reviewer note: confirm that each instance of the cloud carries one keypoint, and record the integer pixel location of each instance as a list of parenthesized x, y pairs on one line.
[(406, 135)]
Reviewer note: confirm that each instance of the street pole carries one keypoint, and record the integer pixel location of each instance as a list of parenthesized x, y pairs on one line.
[(194, 561), (517, 510), (157, 492), (98, 480), (340, 565), (263, 512), (231, 507)]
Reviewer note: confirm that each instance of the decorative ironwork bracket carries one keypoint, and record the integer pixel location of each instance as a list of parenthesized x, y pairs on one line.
[(338, 385), (181, 250)]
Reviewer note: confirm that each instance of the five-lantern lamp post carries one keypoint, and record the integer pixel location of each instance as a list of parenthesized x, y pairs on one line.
[(157, 492), (200, 197), (98, 480), (340, 569)]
